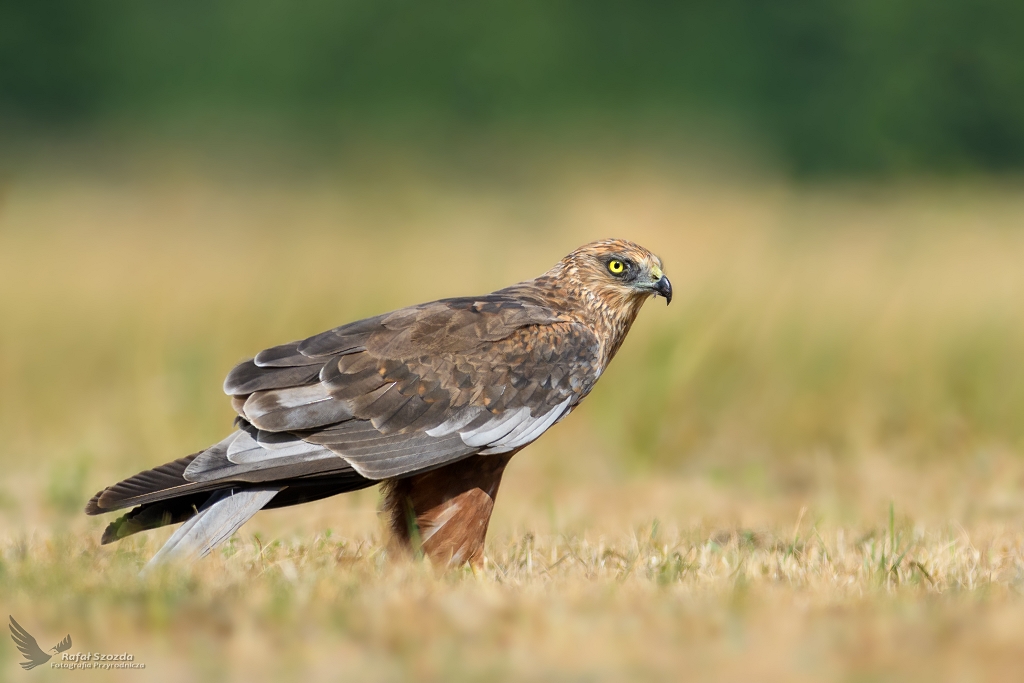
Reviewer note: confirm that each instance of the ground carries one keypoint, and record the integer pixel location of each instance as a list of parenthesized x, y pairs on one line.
[(809, 467)]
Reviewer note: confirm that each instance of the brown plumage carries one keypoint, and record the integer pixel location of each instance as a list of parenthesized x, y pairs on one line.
[(433, 400)]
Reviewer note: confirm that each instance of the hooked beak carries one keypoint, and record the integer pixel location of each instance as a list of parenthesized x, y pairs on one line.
[(663, 288)]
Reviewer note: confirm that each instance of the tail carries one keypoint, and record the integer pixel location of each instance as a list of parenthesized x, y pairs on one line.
[(219, 517), (159, 483), (213, 507), (162, 494)]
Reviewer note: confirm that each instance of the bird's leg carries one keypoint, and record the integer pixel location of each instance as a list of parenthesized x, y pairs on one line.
[(445, 512)]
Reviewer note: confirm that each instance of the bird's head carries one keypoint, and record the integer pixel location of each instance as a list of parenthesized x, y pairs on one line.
[(621, 274)]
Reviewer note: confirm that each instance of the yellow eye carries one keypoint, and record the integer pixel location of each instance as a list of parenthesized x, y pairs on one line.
[(616, 267)]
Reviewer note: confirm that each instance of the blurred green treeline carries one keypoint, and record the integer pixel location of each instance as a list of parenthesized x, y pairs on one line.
[(827, 86)]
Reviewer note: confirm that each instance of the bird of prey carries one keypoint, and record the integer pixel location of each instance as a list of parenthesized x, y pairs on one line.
[(30, 649), (431, 401)]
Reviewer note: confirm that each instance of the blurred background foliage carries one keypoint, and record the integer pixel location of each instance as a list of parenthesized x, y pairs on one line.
[(820, 87)]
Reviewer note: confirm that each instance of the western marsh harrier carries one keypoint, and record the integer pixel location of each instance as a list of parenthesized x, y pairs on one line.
[(431, 401)]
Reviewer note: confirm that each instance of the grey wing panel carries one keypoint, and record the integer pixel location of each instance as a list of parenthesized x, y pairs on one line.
[(243, 458), (376, 455), (383, 456), (528, 430)]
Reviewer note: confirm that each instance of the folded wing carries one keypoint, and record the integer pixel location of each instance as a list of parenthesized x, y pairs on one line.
[(381, 398), (408, 391)]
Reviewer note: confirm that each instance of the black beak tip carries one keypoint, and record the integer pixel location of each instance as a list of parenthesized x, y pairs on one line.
[(664, 288)]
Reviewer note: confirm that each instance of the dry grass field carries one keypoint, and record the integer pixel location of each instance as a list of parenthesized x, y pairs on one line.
[(809, 468)]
